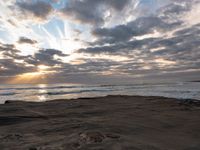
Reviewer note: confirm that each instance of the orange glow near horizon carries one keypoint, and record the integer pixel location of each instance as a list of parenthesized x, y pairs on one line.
[(33, 77)]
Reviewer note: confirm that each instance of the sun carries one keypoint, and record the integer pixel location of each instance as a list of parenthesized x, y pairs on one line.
[(43, 68), (33, 77)]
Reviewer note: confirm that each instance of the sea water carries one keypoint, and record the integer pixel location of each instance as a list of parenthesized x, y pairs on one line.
[(46, 92)]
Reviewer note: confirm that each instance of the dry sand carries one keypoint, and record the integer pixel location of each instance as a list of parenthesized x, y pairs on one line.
[(107, 123)]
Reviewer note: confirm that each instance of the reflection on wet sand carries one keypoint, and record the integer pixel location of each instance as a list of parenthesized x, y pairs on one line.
[(42, 89)]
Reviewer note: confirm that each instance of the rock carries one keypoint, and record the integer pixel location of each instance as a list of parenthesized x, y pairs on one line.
[(32, 148), (12, 137), (7, 102), (92, 137), (112, 136)]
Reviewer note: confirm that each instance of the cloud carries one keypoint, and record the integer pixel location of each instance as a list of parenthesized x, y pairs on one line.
[(174, 50), (46, 57), (8, 47), (24, 40), (10, 64), (13, 63), (9, 67), (138, 27), (122, 36), (125, 44), (179, 52), (38, 9), (10, 51), (118, 47), (91, 11), (54, 1)]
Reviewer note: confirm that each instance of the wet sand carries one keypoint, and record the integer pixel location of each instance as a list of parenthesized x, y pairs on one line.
[(106, 123)]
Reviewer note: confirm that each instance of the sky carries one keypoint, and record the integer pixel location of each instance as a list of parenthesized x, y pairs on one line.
[(99, 41)]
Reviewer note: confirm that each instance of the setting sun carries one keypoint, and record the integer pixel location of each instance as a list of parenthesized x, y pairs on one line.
[(32, 77), (43, 68)]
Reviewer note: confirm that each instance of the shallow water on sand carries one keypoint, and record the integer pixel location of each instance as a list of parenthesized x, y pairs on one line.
[(45, 92)]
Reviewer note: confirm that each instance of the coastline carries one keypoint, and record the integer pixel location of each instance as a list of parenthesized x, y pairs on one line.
[(111, 122)]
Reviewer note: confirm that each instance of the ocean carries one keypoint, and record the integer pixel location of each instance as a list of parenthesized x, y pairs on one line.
[(46, 92)]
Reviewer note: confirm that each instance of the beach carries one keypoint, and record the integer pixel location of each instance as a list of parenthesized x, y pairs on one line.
[(101, 123)]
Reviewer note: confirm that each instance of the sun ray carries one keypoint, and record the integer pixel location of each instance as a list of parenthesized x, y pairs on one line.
[(33, 77)]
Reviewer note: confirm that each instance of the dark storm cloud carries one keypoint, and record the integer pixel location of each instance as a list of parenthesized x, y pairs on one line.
[(24, 40), (91, 11), (39, 9)]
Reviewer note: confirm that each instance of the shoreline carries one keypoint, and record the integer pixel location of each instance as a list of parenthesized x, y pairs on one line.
[(97, 97), (110, 122), (181, 100)]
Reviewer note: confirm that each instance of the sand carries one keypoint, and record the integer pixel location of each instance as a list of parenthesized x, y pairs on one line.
[(105, 123)]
